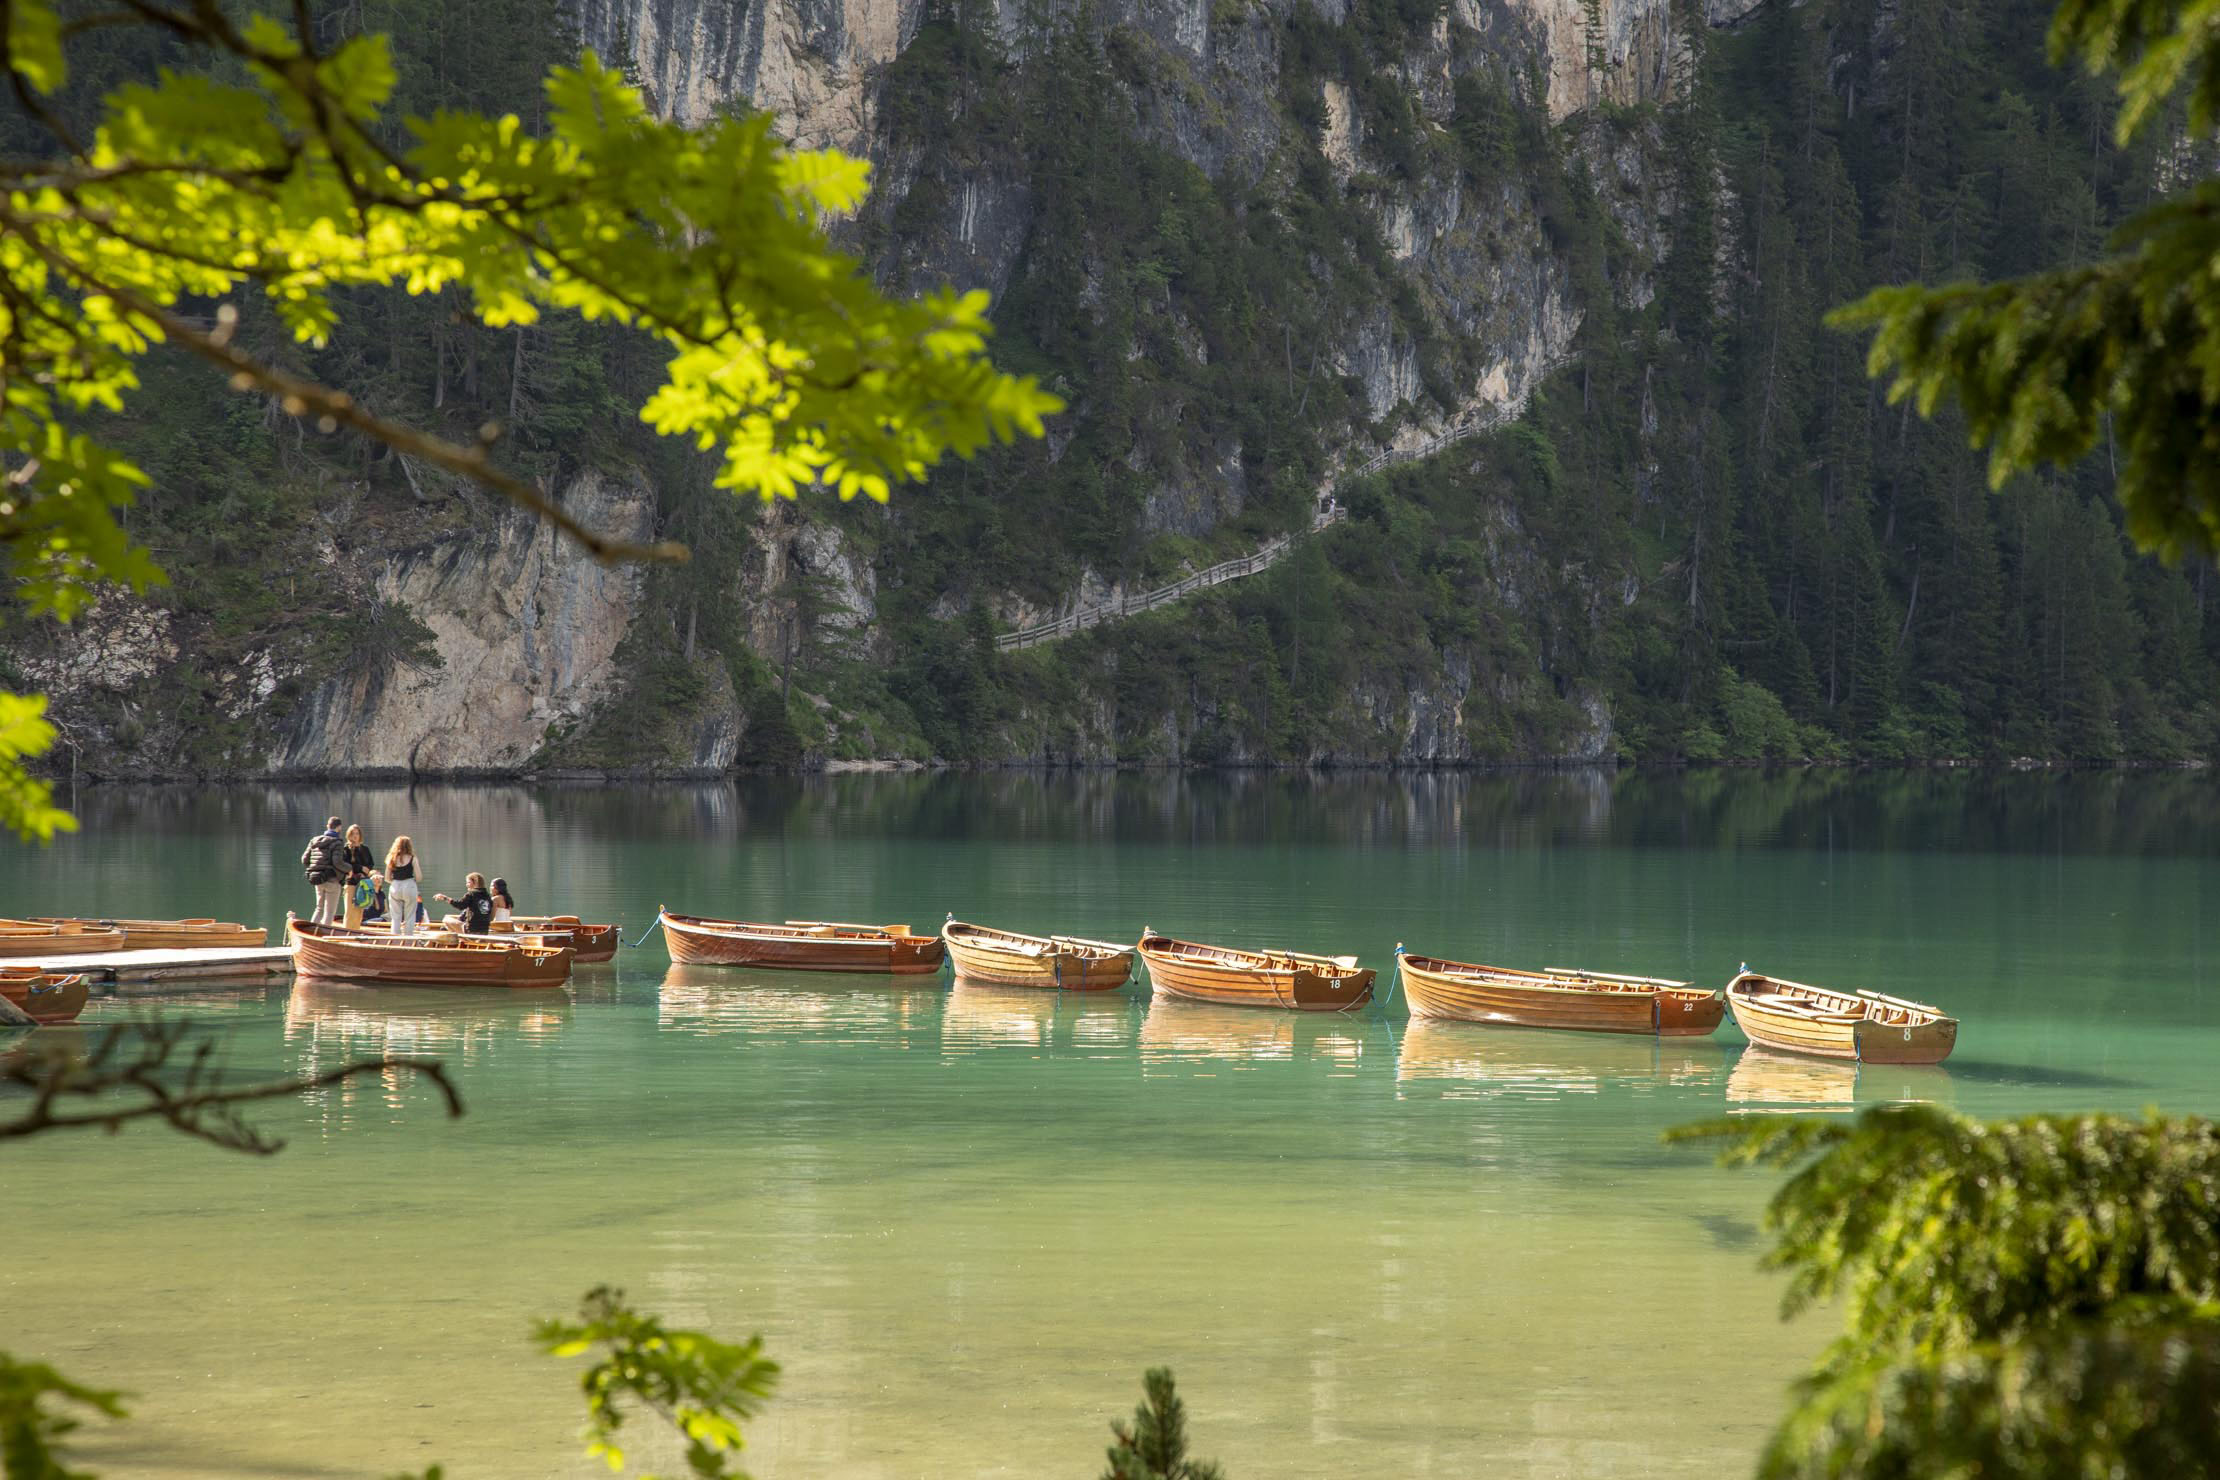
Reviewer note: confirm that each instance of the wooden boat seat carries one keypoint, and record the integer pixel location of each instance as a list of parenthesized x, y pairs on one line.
[(1797, 1007)]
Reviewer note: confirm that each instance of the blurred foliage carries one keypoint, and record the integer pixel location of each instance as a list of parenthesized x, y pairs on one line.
[(700, 1386), (2031, 1297), (33, 1428)]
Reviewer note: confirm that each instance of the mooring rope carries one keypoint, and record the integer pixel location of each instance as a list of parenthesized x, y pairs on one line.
[(658, 925)]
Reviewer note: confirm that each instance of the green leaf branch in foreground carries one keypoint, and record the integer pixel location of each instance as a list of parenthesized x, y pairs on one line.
[(31, 1430), (701, 1386), (275, 169), (2042, 364), (2037, 1296)]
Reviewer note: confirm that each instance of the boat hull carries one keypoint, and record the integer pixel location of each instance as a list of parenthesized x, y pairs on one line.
[(694, 941), (433, 959), (1000, 958), (20, 938), (1791, 1018), (589, 944), (45, 999), (1252, 979), (175, 935), (1461, 992)]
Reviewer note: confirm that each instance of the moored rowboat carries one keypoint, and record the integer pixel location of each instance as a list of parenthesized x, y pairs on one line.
[(588, 943), (172, 935), (800, 945), (1236, 978), (47, 999), (1585, 1001), (46, 938), (1861, 1025), (433, 959), (1062, 963)]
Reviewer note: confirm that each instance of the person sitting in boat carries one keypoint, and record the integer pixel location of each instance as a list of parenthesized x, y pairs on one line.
[(372, 893), (504, 908), (476, 905)]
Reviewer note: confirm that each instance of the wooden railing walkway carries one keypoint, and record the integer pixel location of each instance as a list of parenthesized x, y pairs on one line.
[(1264, 557)]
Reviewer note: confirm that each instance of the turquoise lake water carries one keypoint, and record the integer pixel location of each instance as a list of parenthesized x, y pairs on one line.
[(966, 1219)]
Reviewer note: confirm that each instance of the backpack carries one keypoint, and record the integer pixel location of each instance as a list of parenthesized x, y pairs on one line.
[(316, 860)]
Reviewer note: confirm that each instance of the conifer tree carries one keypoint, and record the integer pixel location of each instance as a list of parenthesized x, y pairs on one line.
[(1154, 1445)]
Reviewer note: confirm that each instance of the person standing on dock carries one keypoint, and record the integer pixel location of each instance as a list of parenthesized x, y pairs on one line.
[(325, 859), (401, 893), (360, 861)]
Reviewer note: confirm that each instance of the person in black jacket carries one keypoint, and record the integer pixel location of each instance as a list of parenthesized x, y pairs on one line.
[(476, 905), (325, 861)]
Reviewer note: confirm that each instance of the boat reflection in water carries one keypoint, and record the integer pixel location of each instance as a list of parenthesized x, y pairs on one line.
[(329, 1023), (1766, 1083), (1086, 1024), (54, 1046), (1470, 1060), (360, 1017), (1204, 1036), (810, 1007)]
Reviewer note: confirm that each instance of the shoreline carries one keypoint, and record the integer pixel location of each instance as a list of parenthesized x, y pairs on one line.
[(590, 776)]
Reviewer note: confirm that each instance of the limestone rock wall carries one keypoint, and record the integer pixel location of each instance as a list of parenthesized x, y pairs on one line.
[(526, 627)]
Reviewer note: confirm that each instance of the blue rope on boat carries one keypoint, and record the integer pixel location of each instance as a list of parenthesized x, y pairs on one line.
[(658, 925), (1395, 983)]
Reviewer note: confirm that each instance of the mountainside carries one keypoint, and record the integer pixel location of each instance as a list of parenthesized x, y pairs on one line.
[(1252, 243)]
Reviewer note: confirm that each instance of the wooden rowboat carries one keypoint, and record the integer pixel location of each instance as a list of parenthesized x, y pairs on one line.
[(1057, 963), (1235, 978), (173, 935), (588, 943), (800, 945), (48, 999), (433, 959), (1585, 1001), (47, 938), (1861, 1025)]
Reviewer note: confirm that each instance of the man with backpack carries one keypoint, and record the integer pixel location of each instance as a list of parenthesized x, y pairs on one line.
[(325, 859)]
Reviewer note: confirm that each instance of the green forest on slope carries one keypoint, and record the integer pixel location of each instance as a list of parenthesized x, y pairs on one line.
[(1710, 521), (1819, 574)]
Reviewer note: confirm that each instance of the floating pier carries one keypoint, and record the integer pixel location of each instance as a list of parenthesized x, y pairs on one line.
[(127, 971)]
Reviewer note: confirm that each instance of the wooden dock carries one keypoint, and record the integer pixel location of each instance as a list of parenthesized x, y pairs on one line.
[(152, 970)]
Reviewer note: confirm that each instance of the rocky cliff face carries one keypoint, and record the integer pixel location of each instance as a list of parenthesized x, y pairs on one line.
[(526, 629), (530, 636), (814, 63), (467, 652)]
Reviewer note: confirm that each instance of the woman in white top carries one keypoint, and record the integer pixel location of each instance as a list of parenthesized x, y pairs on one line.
[(402, 868), (504, 908)]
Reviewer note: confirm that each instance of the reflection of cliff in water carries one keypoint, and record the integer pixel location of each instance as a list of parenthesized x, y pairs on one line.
[(2133, 814), (1475, 1059), (1764, 1082), (977, 1018)]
